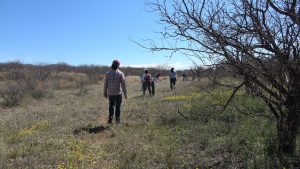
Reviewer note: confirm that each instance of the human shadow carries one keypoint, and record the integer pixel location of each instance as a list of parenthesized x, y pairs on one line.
[(90, 129)]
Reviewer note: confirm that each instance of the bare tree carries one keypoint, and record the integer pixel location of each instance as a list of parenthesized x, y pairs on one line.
[(41, 72), (16, 70), (258, 38)]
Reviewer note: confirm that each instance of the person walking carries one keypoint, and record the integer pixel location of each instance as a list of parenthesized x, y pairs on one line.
[(142, 76), (173, 78), (155, 79), (114, 86), (184, 76), (146, 82)]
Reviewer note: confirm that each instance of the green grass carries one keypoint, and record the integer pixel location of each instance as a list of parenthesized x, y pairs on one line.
[(53, 132)]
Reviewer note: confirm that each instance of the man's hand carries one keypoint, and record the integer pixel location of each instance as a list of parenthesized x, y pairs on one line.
[(105, 95), (125, 95)]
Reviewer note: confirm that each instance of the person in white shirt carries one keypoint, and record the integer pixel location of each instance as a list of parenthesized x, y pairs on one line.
[(114, 87)]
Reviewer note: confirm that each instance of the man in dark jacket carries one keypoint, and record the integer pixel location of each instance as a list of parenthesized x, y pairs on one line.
[(173, 78), (114, 86)]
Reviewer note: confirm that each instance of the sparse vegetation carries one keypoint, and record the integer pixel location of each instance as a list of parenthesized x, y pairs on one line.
[(256, 40), (185, 128), (12, 93)]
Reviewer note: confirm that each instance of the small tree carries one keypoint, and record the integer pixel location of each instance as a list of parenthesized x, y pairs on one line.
[(16, 70), (12, 93), (259, 39), (41, 72)]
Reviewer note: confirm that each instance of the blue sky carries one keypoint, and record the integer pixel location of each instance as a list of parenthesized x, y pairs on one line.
[(80, 32)]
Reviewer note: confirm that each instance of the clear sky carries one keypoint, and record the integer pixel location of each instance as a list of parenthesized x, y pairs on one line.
[(80, 32)]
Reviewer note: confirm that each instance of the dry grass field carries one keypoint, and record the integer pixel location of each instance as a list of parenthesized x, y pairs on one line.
[(54, 131), (174, 129)]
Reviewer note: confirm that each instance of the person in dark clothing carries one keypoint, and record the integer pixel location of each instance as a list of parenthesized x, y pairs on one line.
[(147, 82), (184, 76), (173, 78), (114, 86), (142, 77), (155, 79)]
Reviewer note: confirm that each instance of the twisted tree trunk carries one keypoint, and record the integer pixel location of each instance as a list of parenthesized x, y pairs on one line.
[(287, 128)]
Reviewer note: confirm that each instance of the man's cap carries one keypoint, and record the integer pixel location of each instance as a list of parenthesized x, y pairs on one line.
[(116, 63)]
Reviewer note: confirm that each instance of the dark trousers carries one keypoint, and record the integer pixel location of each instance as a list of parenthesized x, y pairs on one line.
[(172, 83), (153, 88), (146, 85), (115, 106)]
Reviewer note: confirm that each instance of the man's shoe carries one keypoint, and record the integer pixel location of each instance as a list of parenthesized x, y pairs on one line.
[(109, 121)]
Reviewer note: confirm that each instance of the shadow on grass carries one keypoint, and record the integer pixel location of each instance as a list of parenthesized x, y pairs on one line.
[(138, 96), (90, 129)]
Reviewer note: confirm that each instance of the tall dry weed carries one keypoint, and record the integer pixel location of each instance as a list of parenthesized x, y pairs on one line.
[(12, 93)]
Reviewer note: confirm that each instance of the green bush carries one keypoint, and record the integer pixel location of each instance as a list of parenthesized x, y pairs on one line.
[(38, 94)]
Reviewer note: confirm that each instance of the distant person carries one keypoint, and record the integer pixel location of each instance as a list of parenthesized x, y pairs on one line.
[(114, 86), (194, 75), (184, 76), (147, 82), (155, 79), (142, 77), (173, 79)]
